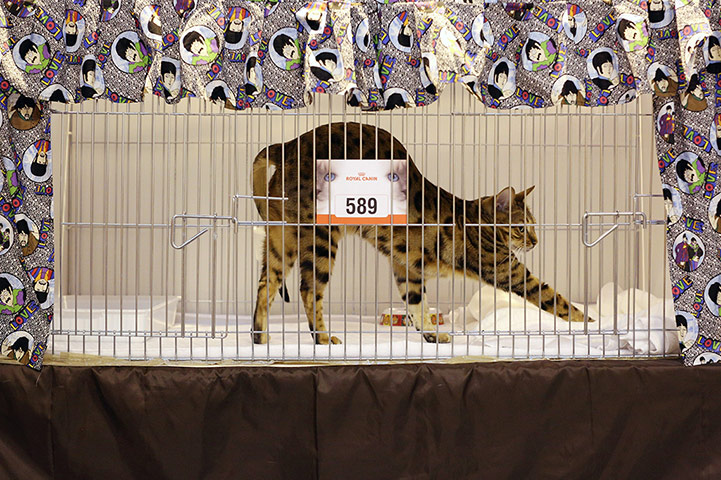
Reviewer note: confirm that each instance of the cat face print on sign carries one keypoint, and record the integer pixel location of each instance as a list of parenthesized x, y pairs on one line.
[(330, 175), (325, 175), (687, 329), (284, 49), (688, 251), (660, 13), (568, 90), (18, 346), (12, 294), (632, 32), (23, 111), (690, 172), (129, 53), (253, 76), (73, 30), (37, 161), (694, 97), (574, 23), (362, 37), (199, 46), (666, 122), (28, 234), (236, 28), (663, 80), (602, 66), (481, 31), (109, 9), (170, 77), (712, 295), (502, 79), (150, 23), (672, 204), (56, 93), (32, 53), (715, 133), (312, 17), (712, 53), (539, 52), (43, 279), (92, 83), (326, 64), (400, 32), (20, 8), (7, 235)]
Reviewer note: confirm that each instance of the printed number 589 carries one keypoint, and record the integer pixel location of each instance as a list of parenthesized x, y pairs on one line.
[(361, 206)]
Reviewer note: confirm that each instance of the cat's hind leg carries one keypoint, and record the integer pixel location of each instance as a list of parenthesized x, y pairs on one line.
[(317, 257), (280, 249)]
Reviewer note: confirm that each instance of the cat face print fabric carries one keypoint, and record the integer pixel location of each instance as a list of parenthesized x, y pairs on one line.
[(380, 55)]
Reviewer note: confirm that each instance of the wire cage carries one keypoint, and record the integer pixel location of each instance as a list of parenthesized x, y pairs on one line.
[(160, 244)]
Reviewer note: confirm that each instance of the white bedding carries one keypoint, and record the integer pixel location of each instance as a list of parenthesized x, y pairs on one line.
[(519, 336), (648, 327)]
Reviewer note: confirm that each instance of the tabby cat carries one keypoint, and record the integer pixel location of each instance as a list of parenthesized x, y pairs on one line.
[(486, 252)]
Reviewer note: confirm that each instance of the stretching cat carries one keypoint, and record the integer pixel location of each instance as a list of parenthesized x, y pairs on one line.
[(486, 252)]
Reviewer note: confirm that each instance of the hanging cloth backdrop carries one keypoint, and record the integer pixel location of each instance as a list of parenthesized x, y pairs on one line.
[(380, 55)]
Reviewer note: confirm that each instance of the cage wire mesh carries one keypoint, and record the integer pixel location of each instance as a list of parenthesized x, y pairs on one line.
[(135, 181)]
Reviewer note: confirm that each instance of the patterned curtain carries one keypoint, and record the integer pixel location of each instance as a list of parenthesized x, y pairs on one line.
[(379, 55)]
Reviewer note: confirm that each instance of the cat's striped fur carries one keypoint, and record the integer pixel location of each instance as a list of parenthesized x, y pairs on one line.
[(418, 253)]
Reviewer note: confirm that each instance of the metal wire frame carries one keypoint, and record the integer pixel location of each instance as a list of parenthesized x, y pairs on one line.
[(179, 176)]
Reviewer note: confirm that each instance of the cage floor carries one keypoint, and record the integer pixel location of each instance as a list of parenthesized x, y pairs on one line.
[(362, 337), (512, 330)]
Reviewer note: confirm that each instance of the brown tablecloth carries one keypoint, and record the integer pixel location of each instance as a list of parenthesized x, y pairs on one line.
[(572, 419)]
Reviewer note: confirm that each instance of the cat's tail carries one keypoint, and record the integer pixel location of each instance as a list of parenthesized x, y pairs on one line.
[(283, 291), (262, 163)]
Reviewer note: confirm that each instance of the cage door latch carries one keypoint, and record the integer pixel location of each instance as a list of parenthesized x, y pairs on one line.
[(205, 228), (214, 220), (637, 218)]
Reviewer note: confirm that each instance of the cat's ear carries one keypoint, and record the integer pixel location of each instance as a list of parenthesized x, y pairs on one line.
[(504, 198), (522, 196)]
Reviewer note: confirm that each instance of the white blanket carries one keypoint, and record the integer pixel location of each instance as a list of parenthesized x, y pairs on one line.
[(648, 327), (509, 331)]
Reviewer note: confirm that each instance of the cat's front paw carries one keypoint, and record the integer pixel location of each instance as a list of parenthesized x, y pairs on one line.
[(324, 339), (577, 316), (439, 338)]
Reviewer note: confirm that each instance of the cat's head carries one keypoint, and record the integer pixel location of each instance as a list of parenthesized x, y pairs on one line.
[(511, 209)]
